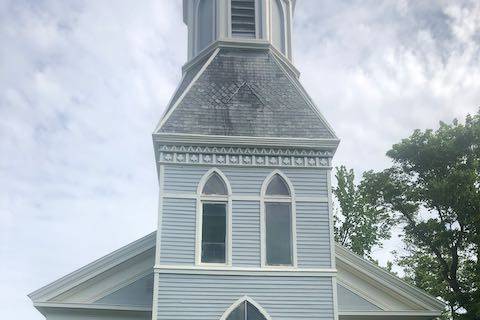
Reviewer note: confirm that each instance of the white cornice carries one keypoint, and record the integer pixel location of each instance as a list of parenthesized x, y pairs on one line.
[(387, 314), (90, 306), (251, 271), (217, 140)]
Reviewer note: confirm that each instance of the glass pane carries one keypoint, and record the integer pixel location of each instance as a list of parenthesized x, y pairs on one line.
[(277, 187), (278, 233), (238, 313), (253, 313), (215, 185), (214, 226)]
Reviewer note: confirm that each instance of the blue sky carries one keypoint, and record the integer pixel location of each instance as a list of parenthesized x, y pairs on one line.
[(84, 82)]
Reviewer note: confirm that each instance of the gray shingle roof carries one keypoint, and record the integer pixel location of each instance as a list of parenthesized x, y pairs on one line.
[(245, 92)]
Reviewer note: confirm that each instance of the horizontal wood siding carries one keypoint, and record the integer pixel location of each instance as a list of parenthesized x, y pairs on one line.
[(308, 183), (313, 235), (178, 231), (246, 234), (246, 180), (182, 179), (206, 297)]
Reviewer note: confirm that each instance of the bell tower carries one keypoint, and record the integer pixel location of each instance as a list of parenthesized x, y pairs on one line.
[(241, 21)]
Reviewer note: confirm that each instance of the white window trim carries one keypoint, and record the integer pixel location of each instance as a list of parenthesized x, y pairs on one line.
[(197, 26), (292, 201), (201, 198), (242, 300)]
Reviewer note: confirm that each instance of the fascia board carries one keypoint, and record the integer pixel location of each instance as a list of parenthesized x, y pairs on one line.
[(389, 314), (47, 308), (388, 281), (325, 144), (93, 269)]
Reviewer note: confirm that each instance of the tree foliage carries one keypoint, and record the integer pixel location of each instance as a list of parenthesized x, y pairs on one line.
[(359, 224), (433, 191)]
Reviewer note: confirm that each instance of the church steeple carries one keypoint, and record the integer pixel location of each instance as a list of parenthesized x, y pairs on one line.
[(238, 21)]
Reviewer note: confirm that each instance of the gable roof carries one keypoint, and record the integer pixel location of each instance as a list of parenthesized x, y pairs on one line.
[(408, 301), (243, 92)]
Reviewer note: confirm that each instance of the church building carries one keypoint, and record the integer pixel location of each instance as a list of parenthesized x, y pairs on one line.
[(245, 226)]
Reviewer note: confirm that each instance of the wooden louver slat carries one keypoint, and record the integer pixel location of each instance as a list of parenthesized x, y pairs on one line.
[(243, 18)]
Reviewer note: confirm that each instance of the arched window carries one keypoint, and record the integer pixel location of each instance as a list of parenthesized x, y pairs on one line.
[(245, 309), (214, 204), (277, 26), (205, 23), (278, 221)]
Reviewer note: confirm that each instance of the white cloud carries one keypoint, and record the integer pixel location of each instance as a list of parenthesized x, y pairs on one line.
[(85, 82)]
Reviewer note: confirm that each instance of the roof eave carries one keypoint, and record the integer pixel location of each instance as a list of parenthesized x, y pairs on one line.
[(329, 144)]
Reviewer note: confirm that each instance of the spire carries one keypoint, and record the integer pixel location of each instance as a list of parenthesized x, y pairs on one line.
[(238, 21)]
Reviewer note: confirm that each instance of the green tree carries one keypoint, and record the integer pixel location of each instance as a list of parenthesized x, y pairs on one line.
[(359, 224), (433, 191)]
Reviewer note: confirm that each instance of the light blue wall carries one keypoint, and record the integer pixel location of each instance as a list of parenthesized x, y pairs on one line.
[(349, 301), (313, 235), (246, 180), (246, 234), (206, 297), (138, 293), (178, 231), (179, 215)]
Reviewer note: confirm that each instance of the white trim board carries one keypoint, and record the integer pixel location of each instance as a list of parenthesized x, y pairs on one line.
[(93, 269), (385, 280), (230, 141)]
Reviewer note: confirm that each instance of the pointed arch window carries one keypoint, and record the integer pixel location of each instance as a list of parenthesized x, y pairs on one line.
[(214, 220), (278, 222), (246, 311)]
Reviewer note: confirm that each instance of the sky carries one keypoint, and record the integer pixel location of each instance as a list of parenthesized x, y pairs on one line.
[(83, 84)]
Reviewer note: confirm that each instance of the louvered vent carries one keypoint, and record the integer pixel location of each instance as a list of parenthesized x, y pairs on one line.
[(243, 18)]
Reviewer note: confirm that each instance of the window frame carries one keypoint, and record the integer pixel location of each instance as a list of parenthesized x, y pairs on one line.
[(245, 299), (223, 199), (264, 198)]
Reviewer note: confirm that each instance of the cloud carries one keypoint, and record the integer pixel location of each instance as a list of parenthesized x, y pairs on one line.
[(84, 83)]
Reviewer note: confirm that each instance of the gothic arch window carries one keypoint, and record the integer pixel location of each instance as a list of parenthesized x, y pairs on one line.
[(205, 24), (277, 24), (213, 219), (278, 222), (245, 309)]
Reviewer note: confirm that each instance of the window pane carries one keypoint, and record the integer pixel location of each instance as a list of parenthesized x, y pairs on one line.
[(278, 233), (215, 185), (253, 313), (214, 226), (238, 313), (277, 187)]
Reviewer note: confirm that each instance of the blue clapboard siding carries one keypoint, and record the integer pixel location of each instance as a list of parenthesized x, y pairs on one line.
[(245, 180), (246, 233), (178, 231), (206, 297), (182, 179), (313, 235)]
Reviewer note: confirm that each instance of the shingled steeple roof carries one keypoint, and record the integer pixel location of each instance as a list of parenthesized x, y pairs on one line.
[(243, 92)]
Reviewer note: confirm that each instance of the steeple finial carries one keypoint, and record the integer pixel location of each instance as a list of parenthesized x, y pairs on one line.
[(240, 21)]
